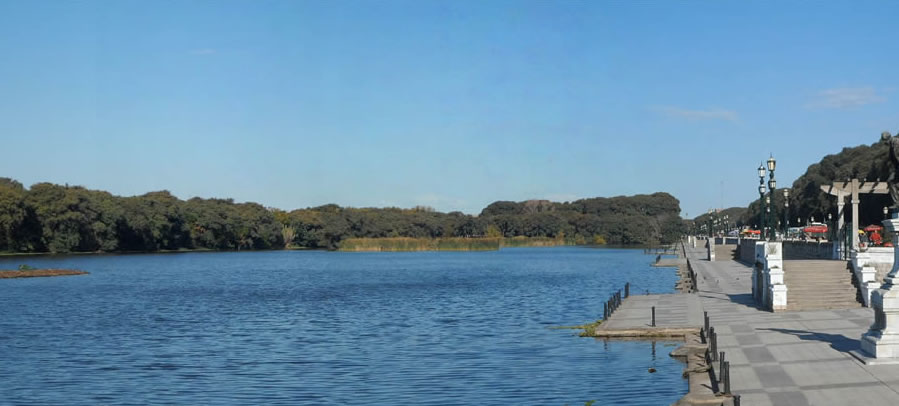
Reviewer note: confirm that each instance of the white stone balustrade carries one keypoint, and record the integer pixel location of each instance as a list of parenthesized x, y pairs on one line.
[(865, 265)]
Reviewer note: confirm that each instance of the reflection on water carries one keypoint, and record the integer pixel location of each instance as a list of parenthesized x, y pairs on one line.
[(329, 328)]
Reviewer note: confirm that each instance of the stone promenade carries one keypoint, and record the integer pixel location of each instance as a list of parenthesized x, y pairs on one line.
[(790, 358)]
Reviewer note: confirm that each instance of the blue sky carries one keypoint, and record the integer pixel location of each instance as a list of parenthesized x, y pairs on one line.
[(451, 104)]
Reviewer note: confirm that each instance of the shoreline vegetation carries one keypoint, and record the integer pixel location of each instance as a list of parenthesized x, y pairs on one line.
[(407, 244), (62, 219), (36, 273)]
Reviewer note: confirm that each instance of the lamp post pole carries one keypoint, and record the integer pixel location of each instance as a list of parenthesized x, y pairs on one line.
[(786, 212), (830, 235), (761, 201), (772, 186)]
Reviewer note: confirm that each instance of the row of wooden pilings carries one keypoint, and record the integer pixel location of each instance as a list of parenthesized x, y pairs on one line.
[(720, 377), (614, 301)]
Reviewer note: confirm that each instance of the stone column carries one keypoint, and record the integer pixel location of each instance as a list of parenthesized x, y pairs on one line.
[(882, 339), (854, 201), (711, 246), (841, 224), (774, 267)]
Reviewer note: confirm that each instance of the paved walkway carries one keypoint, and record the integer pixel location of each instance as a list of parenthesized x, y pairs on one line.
[(792, 358)]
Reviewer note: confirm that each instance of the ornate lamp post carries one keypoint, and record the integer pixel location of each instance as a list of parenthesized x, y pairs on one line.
[(786, 212), (769, 217), (772, 185), (762, 201)]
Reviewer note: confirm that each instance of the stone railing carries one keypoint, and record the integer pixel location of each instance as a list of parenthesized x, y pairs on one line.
[(727, 241), (869, 267), (808, 250)]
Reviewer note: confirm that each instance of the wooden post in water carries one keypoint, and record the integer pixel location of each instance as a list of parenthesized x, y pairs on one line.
[(653, 317), (713, 343), (627, 289)]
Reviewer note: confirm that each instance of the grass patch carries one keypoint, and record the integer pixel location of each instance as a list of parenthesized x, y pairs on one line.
[(587, 328), (398, 244)]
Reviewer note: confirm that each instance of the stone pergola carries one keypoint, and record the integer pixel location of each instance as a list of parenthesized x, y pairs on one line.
[(853, 188)]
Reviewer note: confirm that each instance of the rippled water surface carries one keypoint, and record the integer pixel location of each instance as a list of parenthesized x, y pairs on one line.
[(329, 328)]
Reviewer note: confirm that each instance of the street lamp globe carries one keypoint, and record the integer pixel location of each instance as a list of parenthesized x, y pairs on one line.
[(772, 184), (771, 164), (761, 189), (761, 171)]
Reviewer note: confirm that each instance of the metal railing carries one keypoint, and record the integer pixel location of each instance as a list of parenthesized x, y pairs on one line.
[(720, 377), (615, 301)]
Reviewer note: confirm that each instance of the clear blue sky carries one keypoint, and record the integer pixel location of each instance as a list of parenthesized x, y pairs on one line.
[(451, 104)]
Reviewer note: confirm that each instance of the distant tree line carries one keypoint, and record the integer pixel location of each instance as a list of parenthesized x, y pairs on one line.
[(61, 218)]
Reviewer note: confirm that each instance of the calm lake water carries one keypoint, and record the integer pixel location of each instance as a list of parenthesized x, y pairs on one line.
[(432, 328)]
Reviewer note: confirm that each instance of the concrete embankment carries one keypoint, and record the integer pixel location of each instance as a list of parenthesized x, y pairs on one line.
[(677, 317)]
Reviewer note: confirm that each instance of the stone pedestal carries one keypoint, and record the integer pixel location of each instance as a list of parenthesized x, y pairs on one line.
[(774, 268), (882, 339)]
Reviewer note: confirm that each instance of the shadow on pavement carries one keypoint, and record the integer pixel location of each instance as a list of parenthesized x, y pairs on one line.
[(838, 342)]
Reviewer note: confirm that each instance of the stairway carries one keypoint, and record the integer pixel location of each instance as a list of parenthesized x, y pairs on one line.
[(819, 284)]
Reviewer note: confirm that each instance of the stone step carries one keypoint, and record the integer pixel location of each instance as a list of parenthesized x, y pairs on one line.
[(813, 301), (822, 288), (800, 283), (791, 295), (813, 306), (825, 294), (824, 304), (839, 287), (819, 299), (817, 279), (807, 308)]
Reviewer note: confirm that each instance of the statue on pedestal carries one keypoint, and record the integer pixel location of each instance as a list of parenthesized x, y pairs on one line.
[(892, 180), (881, 342)]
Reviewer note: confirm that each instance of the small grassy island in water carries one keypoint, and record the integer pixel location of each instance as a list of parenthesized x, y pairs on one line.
[(26, 271)]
